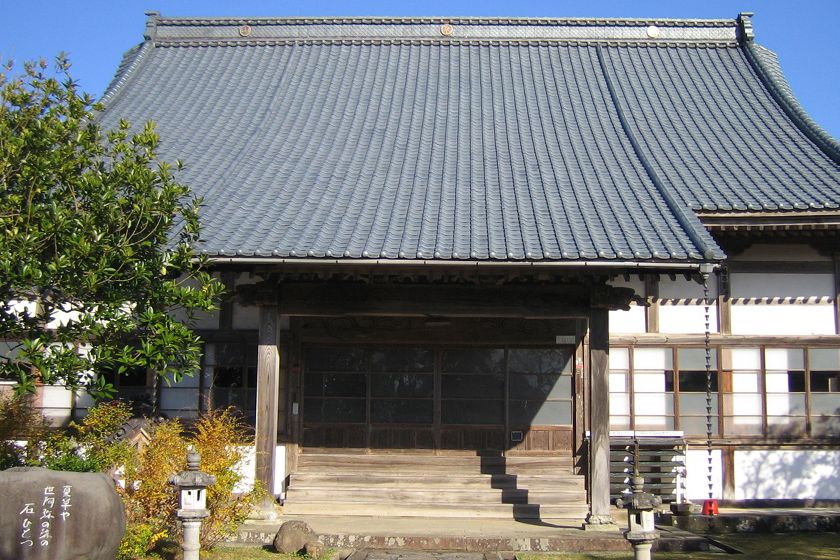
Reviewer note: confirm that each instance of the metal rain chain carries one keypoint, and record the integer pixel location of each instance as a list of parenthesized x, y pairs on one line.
[(710, 506)]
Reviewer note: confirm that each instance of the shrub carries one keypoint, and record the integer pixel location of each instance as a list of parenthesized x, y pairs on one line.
[(139, 539), (151, 501), (219, 436), (148, 496), (18, 421), (98, 433), (89, 445)]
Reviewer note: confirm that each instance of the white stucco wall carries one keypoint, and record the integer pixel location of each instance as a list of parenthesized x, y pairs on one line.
[(782, 303), (247, 470), (782, 319), (697, 475), (246, 317), (681, 318), (56, 403), (764, 252), (787, 474), (631, 321)]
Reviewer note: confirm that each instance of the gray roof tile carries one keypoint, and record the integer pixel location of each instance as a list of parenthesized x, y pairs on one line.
[(470, 149)]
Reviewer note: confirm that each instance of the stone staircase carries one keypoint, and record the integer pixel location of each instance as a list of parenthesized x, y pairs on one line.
[(426, 485)]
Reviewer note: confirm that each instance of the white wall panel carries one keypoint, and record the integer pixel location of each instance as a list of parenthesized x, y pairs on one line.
[(628, 322), (686, 319), (813, 287), (780, 319), (682, 288), (697, 471), (789, 252), (207, 320), (246, 317), (787, 474), (247, 469), (635, 283), (56, 396)]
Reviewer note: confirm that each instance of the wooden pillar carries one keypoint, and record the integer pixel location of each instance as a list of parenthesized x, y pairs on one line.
[(652, 299), (268, 374), (728, 459), (599, 423), (724, 303), (837, 293)]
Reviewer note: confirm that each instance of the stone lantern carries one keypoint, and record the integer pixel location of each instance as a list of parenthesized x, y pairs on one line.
[(192, 502), (641, 530)]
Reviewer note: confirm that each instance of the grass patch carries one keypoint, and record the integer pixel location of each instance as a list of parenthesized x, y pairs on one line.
[(247, 553), (169, 550)]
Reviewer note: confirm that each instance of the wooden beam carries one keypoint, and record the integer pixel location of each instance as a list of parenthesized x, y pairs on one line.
[(327, 299), (268, 372), (727, 340), (420, 330), (599, 421)]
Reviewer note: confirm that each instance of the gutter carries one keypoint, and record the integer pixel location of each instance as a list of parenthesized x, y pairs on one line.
[(591, 265)]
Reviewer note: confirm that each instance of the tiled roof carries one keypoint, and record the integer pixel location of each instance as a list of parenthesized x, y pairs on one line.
[(467, 139)]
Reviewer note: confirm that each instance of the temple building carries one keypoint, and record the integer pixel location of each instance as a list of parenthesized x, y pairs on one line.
[(485, 252)]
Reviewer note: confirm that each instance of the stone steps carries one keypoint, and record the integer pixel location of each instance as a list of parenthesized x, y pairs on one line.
[(468, 510), (428, 481), (427, 485), (438, 461), (420, 496)]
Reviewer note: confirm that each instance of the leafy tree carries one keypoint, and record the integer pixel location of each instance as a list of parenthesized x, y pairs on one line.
[(97, 242)]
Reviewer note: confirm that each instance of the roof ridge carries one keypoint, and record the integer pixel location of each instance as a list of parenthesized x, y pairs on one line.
[(473, 20), (130, 61), (708, 251), (200, 42), (661, 31), (780, 90)]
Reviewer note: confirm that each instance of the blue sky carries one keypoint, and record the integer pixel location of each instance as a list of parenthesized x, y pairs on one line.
[(96, 32)]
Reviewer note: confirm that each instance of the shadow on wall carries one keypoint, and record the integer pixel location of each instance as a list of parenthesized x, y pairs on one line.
[(787, 474)]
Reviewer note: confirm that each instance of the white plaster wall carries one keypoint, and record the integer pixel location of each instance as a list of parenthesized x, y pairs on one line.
[(628, 322), (782, 319), (787, 474), (811, 287), (247, 469), (788, 252), (61, 318), (246, 317), (634, 282), (632, 320), (56, 404), (208, 320), (697, 471), (687, 319), (682, 288), (23, 307)]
